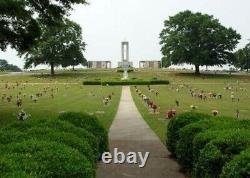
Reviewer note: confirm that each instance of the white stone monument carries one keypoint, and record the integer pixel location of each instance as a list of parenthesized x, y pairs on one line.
[(125, 59)]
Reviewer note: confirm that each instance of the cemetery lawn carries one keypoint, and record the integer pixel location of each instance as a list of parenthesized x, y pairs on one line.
[(71, 95), (209, 83)]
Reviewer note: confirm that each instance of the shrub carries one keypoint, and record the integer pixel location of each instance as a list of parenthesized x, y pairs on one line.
[(8, 135), (177, 123), (68, 139), (239, 167), (91, 124), (47, 159), (184, 148), (217, 152), (92, 82), (201, 139), (9, 169), (56, 125), (127, 82), (120, 70), (159, 82)]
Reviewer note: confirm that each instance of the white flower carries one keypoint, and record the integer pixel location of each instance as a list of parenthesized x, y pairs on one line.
[(22, 115)]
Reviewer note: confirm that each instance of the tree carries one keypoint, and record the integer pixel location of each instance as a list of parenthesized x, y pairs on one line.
[(242, 58), (5, 66), (61, 45), (20, 20), (197, 39), (165, 62)]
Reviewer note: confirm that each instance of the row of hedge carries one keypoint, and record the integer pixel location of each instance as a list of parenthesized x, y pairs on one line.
[(126, 82), (210, 147), (122, 70), (65, 147)]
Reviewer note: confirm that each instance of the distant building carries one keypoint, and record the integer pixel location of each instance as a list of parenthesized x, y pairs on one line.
[(150, 64), (99, 64)]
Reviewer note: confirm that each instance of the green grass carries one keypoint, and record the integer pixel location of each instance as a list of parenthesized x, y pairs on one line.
[(77, 97), (69, 97), (208, 83)]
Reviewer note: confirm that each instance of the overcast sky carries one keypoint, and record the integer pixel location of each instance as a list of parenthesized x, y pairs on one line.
[(106, 23)]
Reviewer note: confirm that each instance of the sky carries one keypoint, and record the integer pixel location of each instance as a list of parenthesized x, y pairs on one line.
[(106, 23)]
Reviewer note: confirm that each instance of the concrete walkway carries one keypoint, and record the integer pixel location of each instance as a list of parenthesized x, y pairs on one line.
[(130, 133)]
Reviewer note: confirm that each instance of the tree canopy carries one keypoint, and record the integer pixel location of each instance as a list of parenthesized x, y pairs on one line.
[(197, 39), (61, 45), (20, 20), (5, 66), (242, 58)]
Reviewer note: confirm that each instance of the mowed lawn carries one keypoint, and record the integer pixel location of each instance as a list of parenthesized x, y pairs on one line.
[(68, 95), (179, 90)]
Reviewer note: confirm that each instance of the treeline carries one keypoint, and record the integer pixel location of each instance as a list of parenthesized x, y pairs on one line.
[(41, 32), (5, 66)]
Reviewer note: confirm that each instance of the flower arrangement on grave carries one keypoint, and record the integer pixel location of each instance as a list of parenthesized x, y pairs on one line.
[(22, 115)]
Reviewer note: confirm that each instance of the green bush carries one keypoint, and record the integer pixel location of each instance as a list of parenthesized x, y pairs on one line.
[(92, 82), (219, 151), (120, 70), (57, 125), (127, 82), (201, 139), (239, 167), (184, 148), (8, 135), (159, 82), (177, 123), (91, 124), (46, 159), (9, 169), (66, 138)]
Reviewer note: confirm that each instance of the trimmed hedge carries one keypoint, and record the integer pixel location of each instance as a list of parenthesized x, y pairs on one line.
[(92, 82), (185, 147), (122, 70), (206, 145), (219, 151), (239, 167), (65, 147), (68, 139), (44, 159), (127, 82), (177, 123), (91, 124), (56, 125)]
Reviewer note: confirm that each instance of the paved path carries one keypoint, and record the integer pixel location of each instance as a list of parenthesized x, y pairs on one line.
[(129, 132)]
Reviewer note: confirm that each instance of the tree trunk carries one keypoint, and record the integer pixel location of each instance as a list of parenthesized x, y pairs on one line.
[(197, 69), (73, 67), (52, 69)]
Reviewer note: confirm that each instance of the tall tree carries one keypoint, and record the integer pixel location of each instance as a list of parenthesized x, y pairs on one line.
[(58, 46), (197, 39), (20, 20), (242, 58)]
